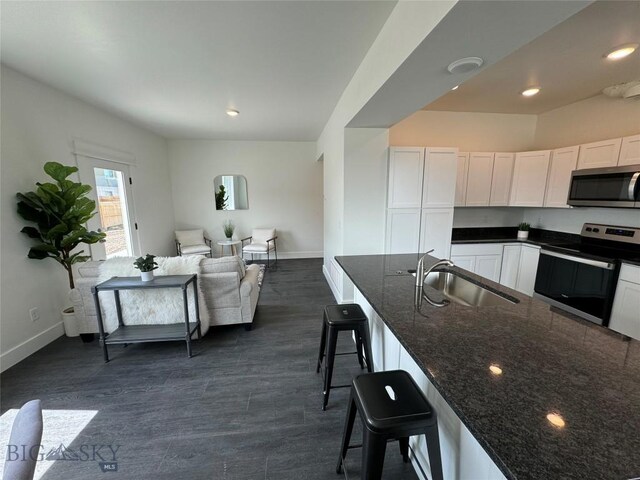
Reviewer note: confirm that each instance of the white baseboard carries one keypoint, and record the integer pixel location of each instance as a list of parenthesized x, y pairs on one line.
[(30, 346), (332, 286)]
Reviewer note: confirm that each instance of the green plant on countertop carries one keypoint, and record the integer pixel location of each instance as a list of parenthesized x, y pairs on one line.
[(228, 228), (524, 227), (146, 264), (60, 211), (221, 198)]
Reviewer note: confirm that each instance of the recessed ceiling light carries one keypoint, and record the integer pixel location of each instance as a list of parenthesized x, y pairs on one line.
[(622, 51), (232, 113), (530, 92), (465, 65), (495, 369), (455, 88)]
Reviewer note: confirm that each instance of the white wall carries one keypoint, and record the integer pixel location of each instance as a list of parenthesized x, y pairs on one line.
[(470, 132), (284, 182), (38, 125), (590, 120)]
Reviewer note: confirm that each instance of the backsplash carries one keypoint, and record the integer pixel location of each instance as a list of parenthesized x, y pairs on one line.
[(487, 217), (570, 220)]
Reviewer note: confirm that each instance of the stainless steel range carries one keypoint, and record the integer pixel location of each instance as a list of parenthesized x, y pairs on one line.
[(581, 278)]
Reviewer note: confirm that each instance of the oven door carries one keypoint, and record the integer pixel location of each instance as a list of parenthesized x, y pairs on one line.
[(606, 187), (579, 285)]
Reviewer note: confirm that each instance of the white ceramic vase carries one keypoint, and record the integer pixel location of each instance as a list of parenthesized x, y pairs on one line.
[(146, 276), (69, 322), (523, 234)]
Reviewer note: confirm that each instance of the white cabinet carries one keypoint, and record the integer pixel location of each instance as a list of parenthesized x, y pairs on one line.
[(563, 162), (461, 179), (625, 315), (436, 225), (406, 168), (510, 265), (484, 259), (630, 151), (527, 269), (403, 230), (440, 168), (422, 181), (501, 179), (599, 154), (479, 179), (529, 178)]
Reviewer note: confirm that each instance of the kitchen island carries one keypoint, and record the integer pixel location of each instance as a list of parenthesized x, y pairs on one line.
[(521, 390)]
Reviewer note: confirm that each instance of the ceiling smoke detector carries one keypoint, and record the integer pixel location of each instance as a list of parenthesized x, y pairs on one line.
[(465, 65), (623, 90)]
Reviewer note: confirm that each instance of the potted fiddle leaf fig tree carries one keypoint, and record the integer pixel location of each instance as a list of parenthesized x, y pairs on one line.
[(58, 212)]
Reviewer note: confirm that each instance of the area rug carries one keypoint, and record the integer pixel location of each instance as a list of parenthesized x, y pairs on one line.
[(152, 307)]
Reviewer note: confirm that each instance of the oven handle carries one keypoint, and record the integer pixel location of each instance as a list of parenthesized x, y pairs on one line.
[(632, 186), (586, 261)]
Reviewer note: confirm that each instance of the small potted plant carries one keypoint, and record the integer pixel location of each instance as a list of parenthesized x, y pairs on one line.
[(228, 229), (146, 265), (523, 231)]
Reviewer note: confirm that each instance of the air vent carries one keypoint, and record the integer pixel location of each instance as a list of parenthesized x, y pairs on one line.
[(465, 65)]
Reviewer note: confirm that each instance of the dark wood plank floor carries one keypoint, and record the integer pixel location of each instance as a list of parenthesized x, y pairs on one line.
[(247, 406)]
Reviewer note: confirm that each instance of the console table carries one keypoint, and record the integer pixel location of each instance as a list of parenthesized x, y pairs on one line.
[(126, 334)]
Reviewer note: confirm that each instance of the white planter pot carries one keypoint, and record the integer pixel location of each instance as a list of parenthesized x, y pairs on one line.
[(146, 276), (523, 234), (69, 321)]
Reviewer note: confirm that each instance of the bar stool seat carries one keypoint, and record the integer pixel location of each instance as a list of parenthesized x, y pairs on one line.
[(338, 318), (391, 406)]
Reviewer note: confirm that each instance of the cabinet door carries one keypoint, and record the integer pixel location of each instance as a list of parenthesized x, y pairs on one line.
[(479, 180), (510, 265), (461, 179), (501, 180), (626, 305), (563, 162), (529, 178), (599, 154), (403, 230), (440, 166), (406, 168), (436, 225), (527, 269), (466, 262), (630, 151), (488, 266)]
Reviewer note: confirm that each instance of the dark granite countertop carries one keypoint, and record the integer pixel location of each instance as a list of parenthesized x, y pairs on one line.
[(551, 364), (537, 236)]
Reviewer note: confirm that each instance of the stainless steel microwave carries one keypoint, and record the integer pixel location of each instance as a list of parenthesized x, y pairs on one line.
[(606, 187)]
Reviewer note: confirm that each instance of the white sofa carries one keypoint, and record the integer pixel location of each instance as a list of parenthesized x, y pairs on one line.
[(230, 289)]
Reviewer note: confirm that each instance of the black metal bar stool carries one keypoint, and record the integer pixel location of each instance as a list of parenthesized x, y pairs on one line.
[(391, 406), (338, 318)]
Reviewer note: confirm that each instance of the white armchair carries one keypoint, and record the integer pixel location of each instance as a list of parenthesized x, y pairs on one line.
[(262, 241), (192, 242)]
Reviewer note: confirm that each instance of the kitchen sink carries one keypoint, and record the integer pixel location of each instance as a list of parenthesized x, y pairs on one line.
[(462, 291)]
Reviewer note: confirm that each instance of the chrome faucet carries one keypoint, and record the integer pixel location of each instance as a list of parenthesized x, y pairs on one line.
[(421, 274), (420, 269)]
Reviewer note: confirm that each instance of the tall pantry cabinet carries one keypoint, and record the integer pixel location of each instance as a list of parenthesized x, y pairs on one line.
[(420, 199)]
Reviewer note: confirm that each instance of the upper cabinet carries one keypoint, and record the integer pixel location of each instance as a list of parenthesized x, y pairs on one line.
[(479, 179), (630, 151), (563, 162), (440, 168), (422, 177), (406, 168), (599, 154), (461, 179), (529, 178), (501, 179)]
